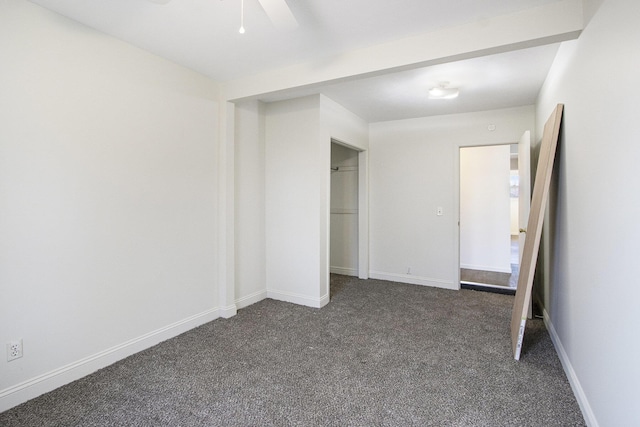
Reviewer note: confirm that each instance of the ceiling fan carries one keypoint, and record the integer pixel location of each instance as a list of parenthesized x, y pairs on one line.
[(279, 13), (277, 10)]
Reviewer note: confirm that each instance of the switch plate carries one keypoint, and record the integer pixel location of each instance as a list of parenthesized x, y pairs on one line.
[(439, 211)]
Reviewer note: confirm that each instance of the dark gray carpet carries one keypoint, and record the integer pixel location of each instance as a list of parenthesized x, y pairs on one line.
[(380, 354)]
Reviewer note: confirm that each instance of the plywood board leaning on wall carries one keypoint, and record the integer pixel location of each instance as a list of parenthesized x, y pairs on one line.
[(534, 228)]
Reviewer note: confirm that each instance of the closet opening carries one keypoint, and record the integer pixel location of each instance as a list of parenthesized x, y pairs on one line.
[(344, 235)]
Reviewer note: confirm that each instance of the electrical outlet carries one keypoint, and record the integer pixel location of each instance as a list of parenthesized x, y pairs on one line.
[(14, 350)]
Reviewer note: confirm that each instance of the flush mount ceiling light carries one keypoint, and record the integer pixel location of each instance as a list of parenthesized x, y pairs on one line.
[(443, 92)]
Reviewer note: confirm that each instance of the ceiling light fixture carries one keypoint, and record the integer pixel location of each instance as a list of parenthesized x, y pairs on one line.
[(241, 30), (443, 92)]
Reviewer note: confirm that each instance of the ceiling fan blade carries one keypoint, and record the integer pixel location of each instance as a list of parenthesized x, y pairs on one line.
[(279, 13)]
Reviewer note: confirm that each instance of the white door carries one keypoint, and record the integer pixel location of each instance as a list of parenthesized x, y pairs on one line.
[(524, 195)]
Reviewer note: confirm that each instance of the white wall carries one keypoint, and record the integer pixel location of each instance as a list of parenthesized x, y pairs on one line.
[(108, 199), (297, 187), (250, 268), (485, 208), (344, 210), (293, 174), (413, 170), (592, 235)]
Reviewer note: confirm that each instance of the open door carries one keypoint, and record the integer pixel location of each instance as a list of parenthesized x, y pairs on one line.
[(524, 197), (524, 192)]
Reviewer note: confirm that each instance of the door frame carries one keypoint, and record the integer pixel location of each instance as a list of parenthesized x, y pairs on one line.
[(456, 199), (363, 208)]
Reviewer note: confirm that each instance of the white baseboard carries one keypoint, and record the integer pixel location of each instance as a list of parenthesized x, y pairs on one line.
[(298, 298), (324, 300), (414, 280), (34, 387), (228, 311), (344, 271), (486, 268), (253, 298), (578, 391)]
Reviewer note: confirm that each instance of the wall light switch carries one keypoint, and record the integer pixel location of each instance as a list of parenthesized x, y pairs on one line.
[(439, 211)]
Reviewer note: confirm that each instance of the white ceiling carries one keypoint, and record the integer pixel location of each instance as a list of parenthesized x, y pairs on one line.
[(203, 35), (491, 82)]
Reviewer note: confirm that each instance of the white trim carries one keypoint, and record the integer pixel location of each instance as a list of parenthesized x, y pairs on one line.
[(226, 209), (298, 298), (344, 271), (487, 285), (250, 299), (413, 280), (228, 311), (34, 387), (485, 268), (578, 391), (324, 300), (363, 214)]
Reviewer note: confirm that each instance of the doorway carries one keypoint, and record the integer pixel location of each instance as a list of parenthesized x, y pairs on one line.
[(344, 215), (489, 218)]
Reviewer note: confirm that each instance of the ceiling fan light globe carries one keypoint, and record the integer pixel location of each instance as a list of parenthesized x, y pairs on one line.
[(443, 93)]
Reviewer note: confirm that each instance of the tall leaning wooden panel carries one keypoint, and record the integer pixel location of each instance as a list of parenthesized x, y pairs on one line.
[(534, 228)]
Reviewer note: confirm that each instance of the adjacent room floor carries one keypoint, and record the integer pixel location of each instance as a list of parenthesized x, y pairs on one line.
[(500, 282)]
